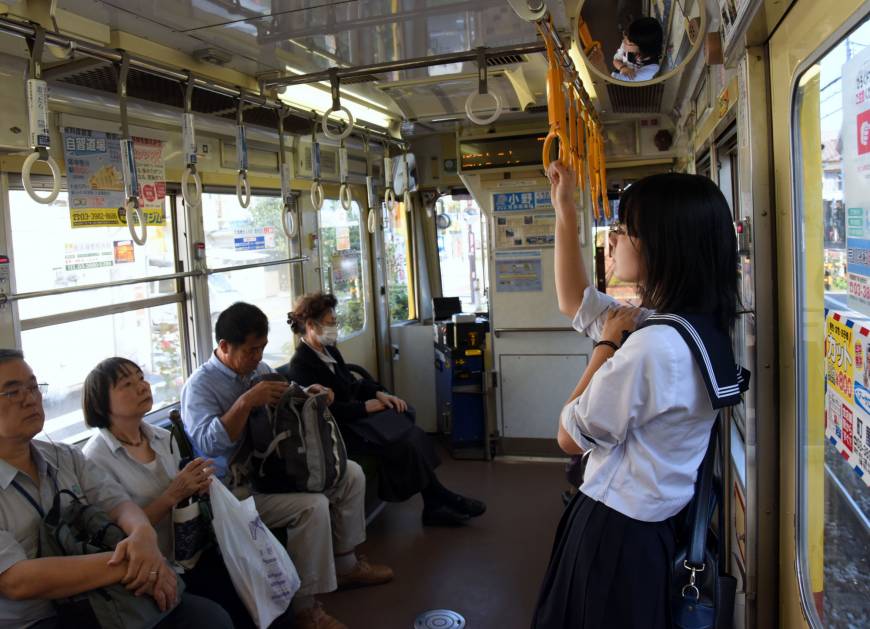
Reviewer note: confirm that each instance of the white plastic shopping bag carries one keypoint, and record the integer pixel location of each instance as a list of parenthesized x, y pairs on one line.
[(261, 570)]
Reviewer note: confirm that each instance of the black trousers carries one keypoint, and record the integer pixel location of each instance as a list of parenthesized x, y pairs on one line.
[(607, 570), (406, 454)]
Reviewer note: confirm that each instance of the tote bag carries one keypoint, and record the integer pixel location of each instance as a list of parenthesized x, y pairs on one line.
[(260, 568)]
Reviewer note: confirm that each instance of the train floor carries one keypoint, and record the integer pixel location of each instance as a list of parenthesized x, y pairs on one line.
[(488, 571)]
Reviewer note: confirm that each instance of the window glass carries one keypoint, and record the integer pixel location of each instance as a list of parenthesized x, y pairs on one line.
[(62, 355), (400, 278), (341, 264), (50, 254), (832, 136), (236, 236), (462, 253)]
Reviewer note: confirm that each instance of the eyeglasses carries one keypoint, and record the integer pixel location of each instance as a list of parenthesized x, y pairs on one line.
[(18, 393), (617, 229)]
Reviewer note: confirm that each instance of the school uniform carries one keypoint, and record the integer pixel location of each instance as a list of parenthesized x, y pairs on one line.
[(646, 416)]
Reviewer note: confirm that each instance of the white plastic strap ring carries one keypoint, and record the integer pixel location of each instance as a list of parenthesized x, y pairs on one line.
[(372, 221), (243, 189), (185, 187), (529, 10), (133, 209), (347, 130), (469, 109), (390, 198), (288, 221), (345, 196), (317, 195), (28, 185)]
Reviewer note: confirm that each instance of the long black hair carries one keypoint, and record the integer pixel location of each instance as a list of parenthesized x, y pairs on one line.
[(687, 244)]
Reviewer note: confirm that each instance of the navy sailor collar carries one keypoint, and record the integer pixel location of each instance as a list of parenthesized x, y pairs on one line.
[(724, 379)]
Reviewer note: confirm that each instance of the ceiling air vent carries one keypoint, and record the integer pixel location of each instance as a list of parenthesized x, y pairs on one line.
[(504, 60), (365, 78), (635, 100)]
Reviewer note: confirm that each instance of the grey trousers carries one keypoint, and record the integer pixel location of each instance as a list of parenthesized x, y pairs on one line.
[(319, 526)]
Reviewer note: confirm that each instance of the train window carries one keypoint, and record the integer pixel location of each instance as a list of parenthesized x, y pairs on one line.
[(66, 335), (831, 137), (400, 268), (237, 236), (341, 264), (462, 253)]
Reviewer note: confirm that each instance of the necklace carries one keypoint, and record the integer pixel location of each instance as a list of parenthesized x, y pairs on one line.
[(130, 443)]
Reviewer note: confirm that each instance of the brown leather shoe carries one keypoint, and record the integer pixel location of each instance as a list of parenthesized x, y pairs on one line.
[(365, 574), (316, 618)]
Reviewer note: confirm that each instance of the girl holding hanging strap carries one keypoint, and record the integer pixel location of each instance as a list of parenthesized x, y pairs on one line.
[(645, 404)]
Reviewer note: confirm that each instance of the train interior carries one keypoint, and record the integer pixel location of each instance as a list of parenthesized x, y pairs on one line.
[(390, 152)]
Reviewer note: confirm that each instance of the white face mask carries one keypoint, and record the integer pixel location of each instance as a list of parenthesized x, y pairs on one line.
[(329, 336)]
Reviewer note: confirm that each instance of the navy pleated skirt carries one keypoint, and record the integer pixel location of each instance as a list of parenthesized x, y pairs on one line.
[(607, 571)]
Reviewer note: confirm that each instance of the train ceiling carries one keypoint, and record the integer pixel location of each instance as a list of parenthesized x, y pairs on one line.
[(273, 38)]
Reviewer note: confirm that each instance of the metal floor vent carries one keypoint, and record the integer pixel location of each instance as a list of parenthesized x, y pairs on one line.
[(439, 619), (101, 76), (635, 100)]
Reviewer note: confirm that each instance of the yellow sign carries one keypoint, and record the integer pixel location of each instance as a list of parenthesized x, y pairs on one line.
[(839, 357), (110, 217)]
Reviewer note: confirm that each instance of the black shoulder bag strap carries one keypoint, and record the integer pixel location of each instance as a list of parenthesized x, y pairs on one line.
[(701, 510)]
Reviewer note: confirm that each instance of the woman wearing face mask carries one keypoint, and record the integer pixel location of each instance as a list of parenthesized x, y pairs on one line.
[(373, 422)]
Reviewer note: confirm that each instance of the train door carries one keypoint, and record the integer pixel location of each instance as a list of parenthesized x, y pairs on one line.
[(820, 91)]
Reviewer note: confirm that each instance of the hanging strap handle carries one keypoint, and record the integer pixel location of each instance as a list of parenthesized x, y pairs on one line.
[(243, 187), (189, 148), (336, 107), (37, 115), (482, 90), (316, 187), (133, 212), (288, 212)]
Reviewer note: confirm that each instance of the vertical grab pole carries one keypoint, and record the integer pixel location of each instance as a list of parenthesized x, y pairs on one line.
[(37, 117), (128, 159), (189, 149), (243, 187), (289, 220)]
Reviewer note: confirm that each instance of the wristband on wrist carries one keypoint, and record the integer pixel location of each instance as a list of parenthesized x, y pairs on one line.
[(609, 344)]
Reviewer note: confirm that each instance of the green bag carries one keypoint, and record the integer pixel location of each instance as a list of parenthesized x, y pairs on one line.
[(79, 528)]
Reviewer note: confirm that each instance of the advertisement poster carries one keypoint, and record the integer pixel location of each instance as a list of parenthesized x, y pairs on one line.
[(518, 272), (525, 230), (847, 400), (856, 177), (96, 186), (87, 255)]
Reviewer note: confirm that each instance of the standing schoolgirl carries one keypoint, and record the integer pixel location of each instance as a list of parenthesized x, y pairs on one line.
[(645, 404)]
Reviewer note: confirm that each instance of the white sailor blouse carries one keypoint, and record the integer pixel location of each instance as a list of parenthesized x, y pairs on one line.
[(647, 412)]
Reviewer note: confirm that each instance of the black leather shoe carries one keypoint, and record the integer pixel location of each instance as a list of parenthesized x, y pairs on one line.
[(469, 506), (444, 515)]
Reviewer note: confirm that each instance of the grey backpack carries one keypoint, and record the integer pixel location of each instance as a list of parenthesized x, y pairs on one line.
[(292, 446), (79, 528)]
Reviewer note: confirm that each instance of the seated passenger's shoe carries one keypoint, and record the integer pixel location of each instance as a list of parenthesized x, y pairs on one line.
[(316, 618), (444, 515), (469, 506), (364, 574)]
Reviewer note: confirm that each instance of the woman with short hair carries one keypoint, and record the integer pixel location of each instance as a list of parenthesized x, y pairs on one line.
[(142, 459), (372, 421)]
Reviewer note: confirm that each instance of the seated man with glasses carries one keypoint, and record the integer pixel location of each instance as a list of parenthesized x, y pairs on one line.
[(31, 474)]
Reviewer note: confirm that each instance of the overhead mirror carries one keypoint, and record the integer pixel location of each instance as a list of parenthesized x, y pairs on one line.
[(640, 41)]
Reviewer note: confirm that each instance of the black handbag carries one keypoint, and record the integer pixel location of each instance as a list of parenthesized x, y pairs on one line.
[(703, 593)]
